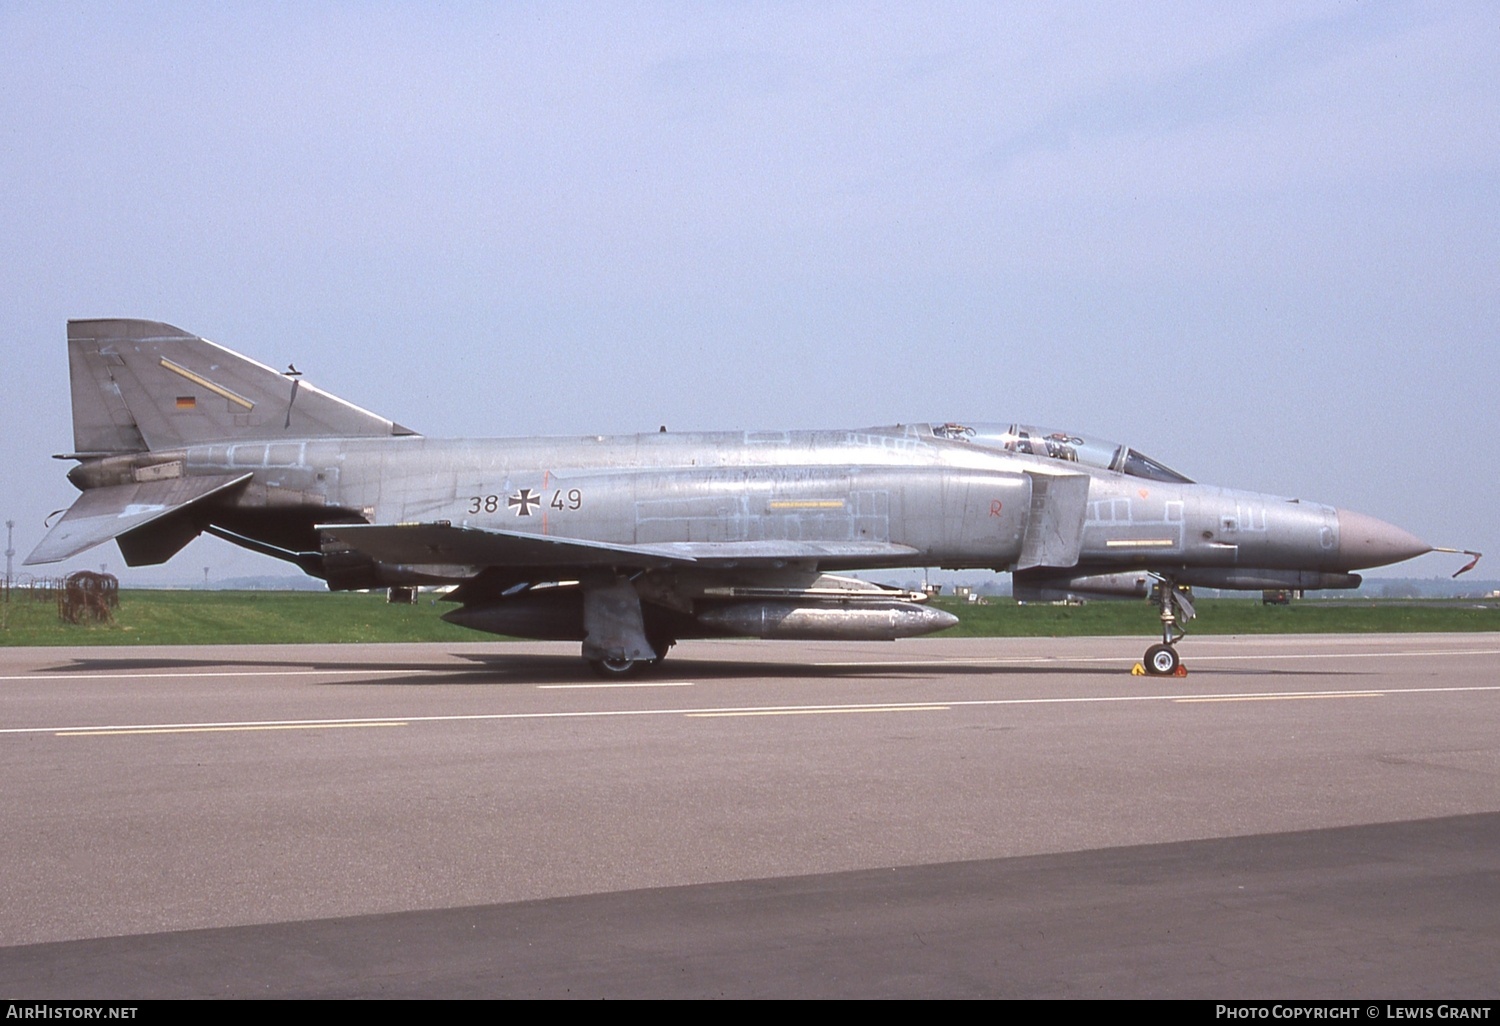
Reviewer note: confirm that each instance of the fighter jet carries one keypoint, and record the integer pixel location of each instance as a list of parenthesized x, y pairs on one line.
[(630, 543)]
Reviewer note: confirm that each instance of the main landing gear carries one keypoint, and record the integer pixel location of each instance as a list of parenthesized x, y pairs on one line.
[(622, 669), (619, 669), (1176, 605)]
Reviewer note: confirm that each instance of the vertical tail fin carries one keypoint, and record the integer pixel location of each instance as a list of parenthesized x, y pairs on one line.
[(144, 385)]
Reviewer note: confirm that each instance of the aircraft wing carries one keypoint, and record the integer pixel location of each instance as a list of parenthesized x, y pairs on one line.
[(771, 551), (418, 544), (104, 513)]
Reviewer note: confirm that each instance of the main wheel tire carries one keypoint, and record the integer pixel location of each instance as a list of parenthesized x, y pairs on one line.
[(1161, 660), (617, 669)]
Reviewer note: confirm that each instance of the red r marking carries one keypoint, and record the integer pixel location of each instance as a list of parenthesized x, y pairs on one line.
[(994, 507)]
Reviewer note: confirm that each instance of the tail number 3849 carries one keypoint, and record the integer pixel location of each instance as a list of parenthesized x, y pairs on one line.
[(563, 500)]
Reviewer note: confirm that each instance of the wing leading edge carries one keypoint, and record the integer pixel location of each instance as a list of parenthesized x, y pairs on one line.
[(438, 543)]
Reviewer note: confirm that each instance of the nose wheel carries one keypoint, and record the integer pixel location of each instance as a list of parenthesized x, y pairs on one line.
[(1161, 661)]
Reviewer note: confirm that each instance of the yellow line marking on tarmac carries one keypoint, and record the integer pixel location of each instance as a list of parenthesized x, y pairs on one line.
[(822, 712), (1282, 698), (583, 714), (220, 730), (634, 684)]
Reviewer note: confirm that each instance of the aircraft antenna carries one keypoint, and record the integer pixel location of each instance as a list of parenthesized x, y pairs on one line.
[(296, 376)]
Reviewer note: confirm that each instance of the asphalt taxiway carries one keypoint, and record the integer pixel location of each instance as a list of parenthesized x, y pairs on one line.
[(1300, 816)]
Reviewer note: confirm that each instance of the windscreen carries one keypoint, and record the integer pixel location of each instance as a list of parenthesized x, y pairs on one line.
[(1061, 445)]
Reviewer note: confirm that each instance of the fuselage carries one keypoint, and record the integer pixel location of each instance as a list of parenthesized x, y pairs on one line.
[(956, 502)]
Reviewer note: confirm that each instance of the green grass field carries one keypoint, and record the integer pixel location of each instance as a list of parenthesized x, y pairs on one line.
[(267, 617), (234, 617)]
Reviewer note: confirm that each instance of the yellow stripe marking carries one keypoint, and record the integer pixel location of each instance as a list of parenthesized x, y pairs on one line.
[(1126, 543), (806, 504), (202, 382), (947, 705), (1283, 698), (221, 730), (819, 712), (636, 684)]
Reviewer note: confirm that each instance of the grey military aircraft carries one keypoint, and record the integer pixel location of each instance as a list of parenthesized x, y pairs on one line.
[(630, 543)]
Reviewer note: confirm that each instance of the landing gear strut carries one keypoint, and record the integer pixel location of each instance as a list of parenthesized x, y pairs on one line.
[(1176, 605), (614, 633)]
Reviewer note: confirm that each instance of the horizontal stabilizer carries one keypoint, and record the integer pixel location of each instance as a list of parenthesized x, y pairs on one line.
[(104, 513), (419, 544)]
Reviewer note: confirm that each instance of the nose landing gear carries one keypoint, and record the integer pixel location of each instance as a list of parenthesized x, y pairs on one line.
[(1176, 605)]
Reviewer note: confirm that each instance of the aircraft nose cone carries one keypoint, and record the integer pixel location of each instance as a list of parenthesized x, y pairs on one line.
[(1365, 542)]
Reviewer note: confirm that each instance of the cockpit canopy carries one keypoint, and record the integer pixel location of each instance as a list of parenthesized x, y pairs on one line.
[(1061, 445)]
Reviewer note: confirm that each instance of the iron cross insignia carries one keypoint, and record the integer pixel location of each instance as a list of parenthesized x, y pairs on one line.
[(522, 502)]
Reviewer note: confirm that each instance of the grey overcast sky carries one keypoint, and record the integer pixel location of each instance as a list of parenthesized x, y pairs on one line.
[(1260, 242)]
